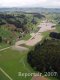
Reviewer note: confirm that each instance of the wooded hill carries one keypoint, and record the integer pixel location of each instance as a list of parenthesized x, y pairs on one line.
[(22, 21), (46, 56)]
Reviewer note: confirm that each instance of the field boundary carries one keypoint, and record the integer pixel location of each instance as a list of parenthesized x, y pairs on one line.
[(5, 74)]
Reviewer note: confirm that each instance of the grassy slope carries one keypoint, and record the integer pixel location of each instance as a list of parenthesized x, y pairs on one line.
[(5, 33), (58, 28), (3, 45), (26, 37), (2, 76), (46, 34), (13, 62)]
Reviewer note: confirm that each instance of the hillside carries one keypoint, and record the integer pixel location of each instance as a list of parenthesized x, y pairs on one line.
[(36, 9), (21, 21), (14, 27)]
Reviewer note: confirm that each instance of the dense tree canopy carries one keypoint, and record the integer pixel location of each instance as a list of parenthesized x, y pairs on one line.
[(46, 56), (0, 39), (21, 20), (55, 35)]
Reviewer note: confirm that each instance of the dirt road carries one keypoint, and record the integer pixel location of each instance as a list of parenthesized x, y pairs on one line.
[(18, 46), (44, 26), (36, 37)]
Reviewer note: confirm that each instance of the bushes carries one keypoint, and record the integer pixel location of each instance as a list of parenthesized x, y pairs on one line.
[(55, 35), (46, 57), (0, 39)]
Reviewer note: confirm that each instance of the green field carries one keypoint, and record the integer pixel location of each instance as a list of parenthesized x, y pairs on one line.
[(13, 62), (26, 37), (2, 76)]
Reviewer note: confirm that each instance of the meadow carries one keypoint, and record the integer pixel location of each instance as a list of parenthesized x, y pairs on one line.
[(13, 62)]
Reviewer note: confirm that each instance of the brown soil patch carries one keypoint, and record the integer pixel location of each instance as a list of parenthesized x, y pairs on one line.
[(39, 78)]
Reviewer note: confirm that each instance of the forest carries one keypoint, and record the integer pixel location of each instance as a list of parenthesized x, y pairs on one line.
[(46, 56)]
